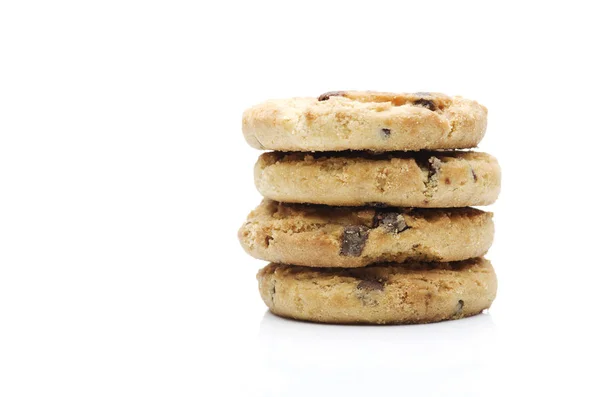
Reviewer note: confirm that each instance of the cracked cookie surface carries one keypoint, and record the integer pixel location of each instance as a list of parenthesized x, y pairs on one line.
[(413, 292), (322, 236), (403, 179), (365, 120)]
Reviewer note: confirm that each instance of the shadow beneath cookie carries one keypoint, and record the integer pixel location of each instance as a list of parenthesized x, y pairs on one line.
[(428, 358)]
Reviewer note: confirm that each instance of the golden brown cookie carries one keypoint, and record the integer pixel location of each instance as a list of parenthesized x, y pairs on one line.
[(321, 236), (414, 292), (365, 120), (403, 179)]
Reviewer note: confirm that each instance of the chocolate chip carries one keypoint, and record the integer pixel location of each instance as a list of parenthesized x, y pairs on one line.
[(430, 166), (474, 174), (376, 204), (329, 94), (372, 285), (459, 307), (426, 103), (434, 166), (272, 291), (392, 222), (268, 240), (385, 133), (354, 239), (428, 298)]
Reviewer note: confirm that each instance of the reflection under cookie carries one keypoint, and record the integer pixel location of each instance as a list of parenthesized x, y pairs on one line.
[(358, 359)]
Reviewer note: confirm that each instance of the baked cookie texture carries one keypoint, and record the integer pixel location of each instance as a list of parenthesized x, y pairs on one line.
[(321, 236), (365, 120), (413, 292), (403, 179)]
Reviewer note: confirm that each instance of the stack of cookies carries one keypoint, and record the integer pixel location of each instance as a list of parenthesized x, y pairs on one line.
[(366, 216)]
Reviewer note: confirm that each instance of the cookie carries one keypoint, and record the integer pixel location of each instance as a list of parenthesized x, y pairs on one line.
[(365, 120), (403, 179), (413, 292), (321, 236)]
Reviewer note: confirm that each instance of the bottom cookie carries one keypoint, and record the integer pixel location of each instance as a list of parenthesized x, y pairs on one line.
[(407, 293)]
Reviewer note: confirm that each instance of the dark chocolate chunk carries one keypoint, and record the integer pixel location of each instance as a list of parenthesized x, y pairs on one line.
[(385, 133), (392, 222), (370, 285), (354, 239), (329, 94), (428, 103)]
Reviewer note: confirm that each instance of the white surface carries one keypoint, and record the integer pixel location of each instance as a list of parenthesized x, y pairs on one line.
[(124, 178)]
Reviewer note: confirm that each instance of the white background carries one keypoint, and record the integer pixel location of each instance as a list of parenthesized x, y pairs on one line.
[(124, 177)]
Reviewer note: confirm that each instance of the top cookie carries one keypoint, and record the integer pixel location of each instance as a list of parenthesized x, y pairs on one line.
[(365, 120)]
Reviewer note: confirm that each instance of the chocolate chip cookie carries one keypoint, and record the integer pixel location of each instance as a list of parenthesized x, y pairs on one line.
[(413, 292), (404, 179), (365, 120), (321, 236)]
